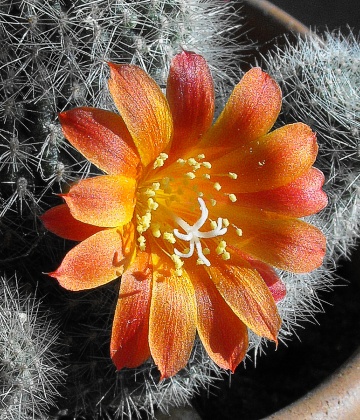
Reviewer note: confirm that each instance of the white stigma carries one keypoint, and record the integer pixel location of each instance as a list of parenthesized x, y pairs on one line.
[(193, 235)]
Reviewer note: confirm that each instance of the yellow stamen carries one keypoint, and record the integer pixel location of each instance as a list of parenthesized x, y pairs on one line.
[(160, 160), (221, 247), (169, 236), (225, 255), (152, 204), (142, 240), (213, 224), (155, 229), (239, 232)]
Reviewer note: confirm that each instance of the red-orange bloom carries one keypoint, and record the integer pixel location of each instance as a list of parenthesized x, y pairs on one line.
[(192, 215)]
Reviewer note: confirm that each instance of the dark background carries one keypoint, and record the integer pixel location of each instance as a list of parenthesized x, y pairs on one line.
[(322, 13)]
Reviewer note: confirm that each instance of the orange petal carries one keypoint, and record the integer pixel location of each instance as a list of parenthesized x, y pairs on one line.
[(190, 92), (60, 221), (302, 197), (246, 293), (286, 243), (144, 109), (271, 161), (102, 137), (129, 339), (273, 282), (93, 262), (222, 333), (106, 200), (172, 318), (250, 112)]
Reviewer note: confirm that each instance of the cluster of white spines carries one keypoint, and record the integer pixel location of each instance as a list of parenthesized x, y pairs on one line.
[(30, 376), (320, 80)]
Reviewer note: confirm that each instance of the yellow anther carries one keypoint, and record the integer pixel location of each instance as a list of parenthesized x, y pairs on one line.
[(146, 219), (225, 255), (160, 160), (156, 232), (169, 236), (206, 251), (152, 204), (156, 185), (221, 248), (194, 163), (190, 175), (177, 261), (232, 198), (206, 165), (150, 192), (206, 176), (199, 261), (239, 231), (142, 241), (217, 186), (200, 194), (144, 222), (181, 161), (213, 224), (225, 222), (233, 175), (201, 156), (213, 202)]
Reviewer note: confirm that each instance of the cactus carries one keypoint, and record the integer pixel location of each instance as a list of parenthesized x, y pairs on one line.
[(53, 57), (29, 362), (320, 79)]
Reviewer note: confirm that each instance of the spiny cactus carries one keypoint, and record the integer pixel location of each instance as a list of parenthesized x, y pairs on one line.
[(320, 79), (29, 360), (53, 57)]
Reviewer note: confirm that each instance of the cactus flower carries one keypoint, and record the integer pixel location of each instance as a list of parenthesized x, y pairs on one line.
[(193, 215)]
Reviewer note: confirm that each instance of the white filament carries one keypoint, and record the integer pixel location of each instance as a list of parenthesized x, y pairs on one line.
[(193, 235)]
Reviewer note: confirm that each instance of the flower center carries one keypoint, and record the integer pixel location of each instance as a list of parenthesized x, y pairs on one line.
[(173, 190), (193, 235)]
